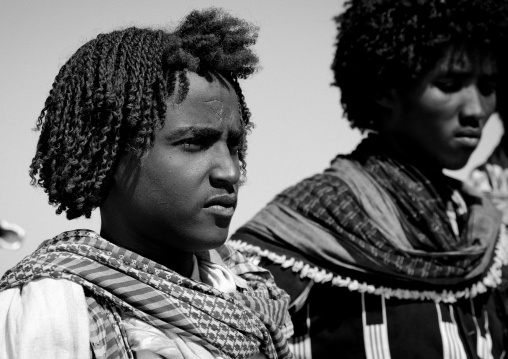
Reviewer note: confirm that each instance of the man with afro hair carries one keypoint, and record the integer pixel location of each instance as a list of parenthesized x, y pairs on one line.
[(384, 256), (149, 126)]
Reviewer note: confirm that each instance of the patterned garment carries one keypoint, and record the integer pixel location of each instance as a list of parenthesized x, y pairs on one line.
[(376, 268), (389, 220), (118, 281)]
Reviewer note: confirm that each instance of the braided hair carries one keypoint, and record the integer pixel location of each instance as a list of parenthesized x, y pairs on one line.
[(383, 44), (109, 97)]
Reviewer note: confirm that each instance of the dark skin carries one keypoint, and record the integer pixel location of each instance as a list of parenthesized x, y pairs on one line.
[(180, 196), (437, 122)]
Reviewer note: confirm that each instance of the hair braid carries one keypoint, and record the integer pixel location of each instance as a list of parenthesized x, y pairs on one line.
[(245, 112), (88, 182)]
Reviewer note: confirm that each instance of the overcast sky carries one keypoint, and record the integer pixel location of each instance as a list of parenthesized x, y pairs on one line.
[(299, 124)]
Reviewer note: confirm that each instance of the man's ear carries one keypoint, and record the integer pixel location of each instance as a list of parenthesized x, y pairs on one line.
[(385, 98)]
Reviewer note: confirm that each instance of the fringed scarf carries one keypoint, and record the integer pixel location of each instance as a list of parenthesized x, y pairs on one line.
[(379, 217), (115, 280)]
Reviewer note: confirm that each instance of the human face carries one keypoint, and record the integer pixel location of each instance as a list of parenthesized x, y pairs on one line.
[(438, 121), (181, 195)]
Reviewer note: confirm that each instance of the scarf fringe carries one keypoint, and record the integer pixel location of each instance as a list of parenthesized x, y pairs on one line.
[(492, 279)]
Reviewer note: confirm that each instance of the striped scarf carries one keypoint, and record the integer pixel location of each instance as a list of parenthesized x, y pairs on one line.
[(116, 281)]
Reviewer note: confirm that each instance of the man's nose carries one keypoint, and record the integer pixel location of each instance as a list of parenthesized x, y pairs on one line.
[(226, 169), (476, 107)]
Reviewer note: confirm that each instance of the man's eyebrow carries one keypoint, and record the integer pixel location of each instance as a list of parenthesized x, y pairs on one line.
[(192, 131), (461, 71), (454, 70), (236, 133)]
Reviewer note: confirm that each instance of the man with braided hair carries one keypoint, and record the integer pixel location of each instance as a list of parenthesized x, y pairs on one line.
[(150, 127), (383, 255)]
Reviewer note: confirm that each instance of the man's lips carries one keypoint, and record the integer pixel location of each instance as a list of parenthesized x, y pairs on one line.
[(468, 137), (222, 204), (224, 200), (471, 133)]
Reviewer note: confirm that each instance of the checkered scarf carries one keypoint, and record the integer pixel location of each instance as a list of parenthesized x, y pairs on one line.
[(115, 281), (387, 218)]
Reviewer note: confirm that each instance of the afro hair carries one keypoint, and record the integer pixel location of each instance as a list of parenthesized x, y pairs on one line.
[(384, 44)]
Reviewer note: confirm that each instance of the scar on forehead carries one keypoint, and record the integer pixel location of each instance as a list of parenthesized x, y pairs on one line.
[(218, 108)]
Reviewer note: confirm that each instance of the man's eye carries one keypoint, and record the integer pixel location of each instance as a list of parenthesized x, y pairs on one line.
[(448, 86), (234, 145), (195, 144), (234, 149), (487, 87)]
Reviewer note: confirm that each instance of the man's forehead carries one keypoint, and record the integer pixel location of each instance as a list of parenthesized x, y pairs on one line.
[(216, 105), (221, 109)]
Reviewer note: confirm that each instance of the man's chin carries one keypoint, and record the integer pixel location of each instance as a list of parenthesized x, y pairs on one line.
[(456, 165), (214, 238)]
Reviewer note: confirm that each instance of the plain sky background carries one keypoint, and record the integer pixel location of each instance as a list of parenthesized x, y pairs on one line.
[(299, 124)]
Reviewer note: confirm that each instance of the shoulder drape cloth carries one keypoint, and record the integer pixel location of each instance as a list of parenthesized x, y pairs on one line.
[(116, 280)]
